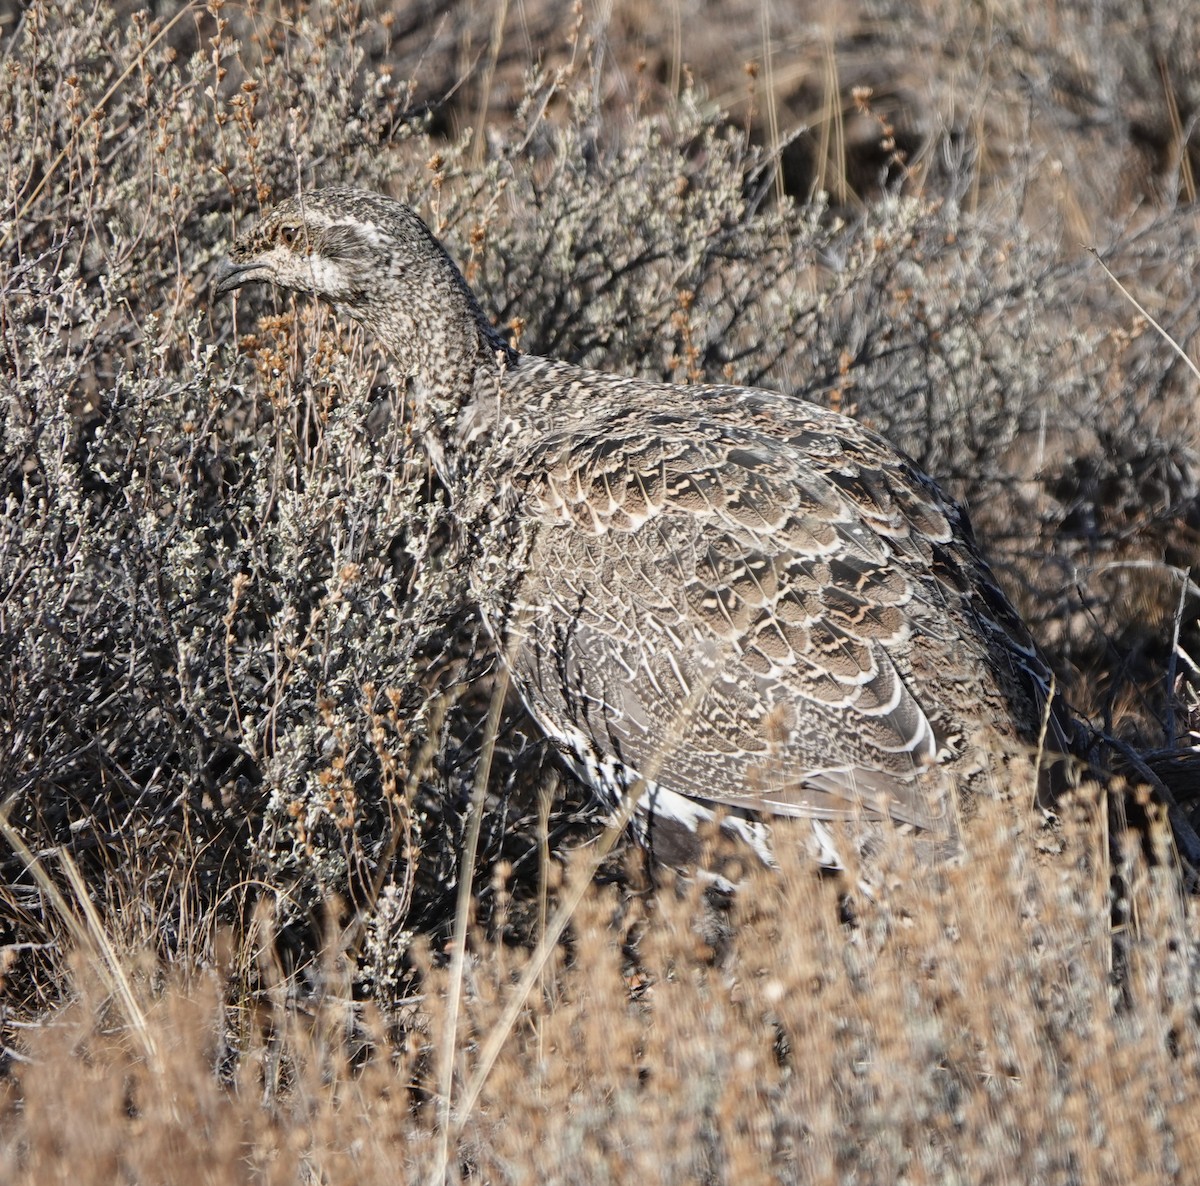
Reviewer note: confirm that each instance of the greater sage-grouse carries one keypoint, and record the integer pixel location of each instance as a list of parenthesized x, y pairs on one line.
[(757, 606)]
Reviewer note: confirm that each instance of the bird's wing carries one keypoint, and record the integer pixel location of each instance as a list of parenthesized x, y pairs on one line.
[(751, 621)]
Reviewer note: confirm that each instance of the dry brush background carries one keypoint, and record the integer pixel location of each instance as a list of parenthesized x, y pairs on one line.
[(243, 702)]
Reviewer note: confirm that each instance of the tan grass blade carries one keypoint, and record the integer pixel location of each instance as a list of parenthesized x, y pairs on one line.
[(87, 933)]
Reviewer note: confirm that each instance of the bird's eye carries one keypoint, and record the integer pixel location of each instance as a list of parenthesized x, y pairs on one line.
[(288, 235)]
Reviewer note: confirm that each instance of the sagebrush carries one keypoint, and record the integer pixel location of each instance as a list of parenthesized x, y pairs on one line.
[(243, 696)]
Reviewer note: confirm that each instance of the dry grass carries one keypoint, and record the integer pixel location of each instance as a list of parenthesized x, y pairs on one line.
[(963, 1026), (244, 704)]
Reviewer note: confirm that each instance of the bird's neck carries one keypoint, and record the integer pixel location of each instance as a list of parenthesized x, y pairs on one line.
[(441, 338)]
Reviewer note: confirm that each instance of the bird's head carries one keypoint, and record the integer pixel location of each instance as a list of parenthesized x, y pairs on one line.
[(330, 242), (374, 259)]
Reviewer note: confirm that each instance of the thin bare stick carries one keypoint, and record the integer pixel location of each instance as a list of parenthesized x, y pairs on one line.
[(1173, 662), (545, 802), (1041, 745), (1133, 301), (1181, 574), (462, 912), (354, 934)]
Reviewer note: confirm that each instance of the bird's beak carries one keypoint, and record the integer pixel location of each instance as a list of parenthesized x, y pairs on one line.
[(231, 276)]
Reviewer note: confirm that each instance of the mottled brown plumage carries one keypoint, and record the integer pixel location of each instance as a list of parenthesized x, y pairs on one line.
[(758, 604)]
